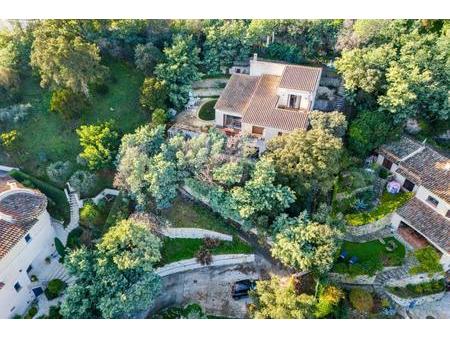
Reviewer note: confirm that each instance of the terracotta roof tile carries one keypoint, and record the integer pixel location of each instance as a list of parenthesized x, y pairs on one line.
[(425, 220), (237, 93), (300, 78)]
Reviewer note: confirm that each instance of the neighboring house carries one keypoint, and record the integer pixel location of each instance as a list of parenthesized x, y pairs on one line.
[(273, 99), (26, 239), (422, 170)]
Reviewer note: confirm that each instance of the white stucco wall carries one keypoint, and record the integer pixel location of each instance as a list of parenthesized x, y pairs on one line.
[(306, 97), (14, 265), (258, 68), (220, 114), (442, 207)]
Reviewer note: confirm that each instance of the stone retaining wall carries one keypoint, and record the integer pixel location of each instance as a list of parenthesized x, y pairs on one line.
[(360, 280), (192, 264), (406, 302), (415, 279), (370, 227), (194, 233)]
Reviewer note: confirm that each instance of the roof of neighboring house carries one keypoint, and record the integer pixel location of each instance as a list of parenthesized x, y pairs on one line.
[(428, 222), (237, 93), (425, 167), (262, 109), (19, 209), (300, 78)]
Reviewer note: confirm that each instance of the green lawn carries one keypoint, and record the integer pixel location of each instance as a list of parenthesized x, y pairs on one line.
[(176, 249), (186, 214), (371, 257), (47, 137), (207, 111)]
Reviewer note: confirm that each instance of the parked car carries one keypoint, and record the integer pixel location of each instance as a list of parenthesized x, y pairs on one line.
[(241, 288)]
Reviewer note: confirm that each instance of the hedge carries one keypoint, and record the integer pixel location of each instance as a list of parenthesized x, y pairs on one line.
[(31, 312), (419, 290), (388, 204), (60, 249), (54, 288), (58, 205)]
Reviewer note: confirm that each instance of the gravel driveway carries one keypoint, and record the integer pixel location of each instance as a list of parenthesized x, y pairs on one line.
[(211, 288)]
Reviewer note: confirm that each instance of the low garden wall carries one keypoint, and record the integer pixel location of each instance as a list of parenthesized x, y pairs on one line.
[(415, 279), (194, 233), (370, 227), (406, 302), (192, 264), (344, 279)]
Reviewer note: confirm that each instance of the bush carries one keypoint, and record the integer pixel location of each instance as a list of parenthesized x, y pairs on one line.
[(90, 214), (204, 256), (60, 210), (74, 238), (67, 103), (59, 172), (419, 290), (53, 312), (210, 243), (146, 57), (154, 94), (159, 117), (207, 111), (60, 249), (54, 288), (428, 260), (32, 311), (83, 182), (120, 210), (14, 114), (361, 300)]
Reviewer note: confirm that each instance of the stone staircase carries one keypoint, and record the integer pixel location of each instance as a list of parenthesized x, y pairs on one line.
[(392, 274), (61, 273), (74, 211)]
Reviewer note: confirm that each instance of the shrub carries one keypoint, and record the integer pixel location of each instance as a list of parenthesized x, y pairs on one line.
[(53, 312), (207, 111), (154, 94), (146, 57), (67, 103), (419, 290), (120, 210), (204, 256), (210, 243), (8, 140), (159, 117), (59, 172), (361, 300), (74, 238), (90, 214), (32, 311), (54, 288), (15, 113), (428, 260), (83, 182), (60, 249)]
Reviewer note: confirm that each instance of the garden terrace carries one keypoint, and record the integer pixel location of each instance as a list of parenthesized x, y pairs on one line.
[(388, 204), (370, 256)]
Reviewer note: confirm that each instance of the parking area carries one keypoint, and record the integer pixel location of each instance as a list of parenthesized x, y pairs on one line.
[(211, 287)]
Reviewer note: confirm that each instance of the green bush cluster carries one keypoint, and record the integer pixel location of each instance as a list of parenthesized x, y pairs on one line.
[(361, 300), (74, 238), (419, 290), (388, 203), (32, 311), (207, 111), (120, 210), (60, 208), (191, 311), (54, 288), (90, 214), (428, 260), (60, 249)]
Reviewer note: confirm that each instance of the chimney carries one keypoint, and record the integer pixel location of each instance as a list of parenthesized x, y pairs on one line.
[(255, 57)]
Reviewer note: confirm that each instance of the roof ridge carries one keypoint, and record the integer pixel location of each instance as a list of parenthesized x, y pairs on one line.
[(253, 94)]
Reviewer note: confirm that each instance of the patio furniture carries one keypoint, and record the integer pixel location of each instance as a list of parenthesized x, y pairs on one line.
[(343, 255), (353, 260)]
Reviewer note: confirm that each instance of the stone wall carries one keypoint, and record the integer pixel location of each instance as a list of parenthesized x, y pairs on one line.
[(406, 302), (194, 233), (370, 227), (192, 264), (415, 279), (360, 280)]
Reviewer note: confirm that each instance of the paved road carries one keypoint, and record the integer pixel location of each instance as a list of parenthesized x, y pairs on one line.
[(439, 309), (211, 288)]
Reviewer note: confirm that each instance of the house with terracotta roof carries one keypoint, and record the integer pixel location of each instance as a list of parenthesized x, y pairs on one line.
[(425, 219), (26, 239), (274, 98)]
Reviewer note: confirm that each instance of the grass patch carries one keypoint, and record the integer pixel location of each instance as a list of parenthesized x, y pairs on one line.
[(187, 214), (428, 260), (207, 111), (177, 249), (46, 137), (418, 290), (58, 206), (371, 257), (388, 203)]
